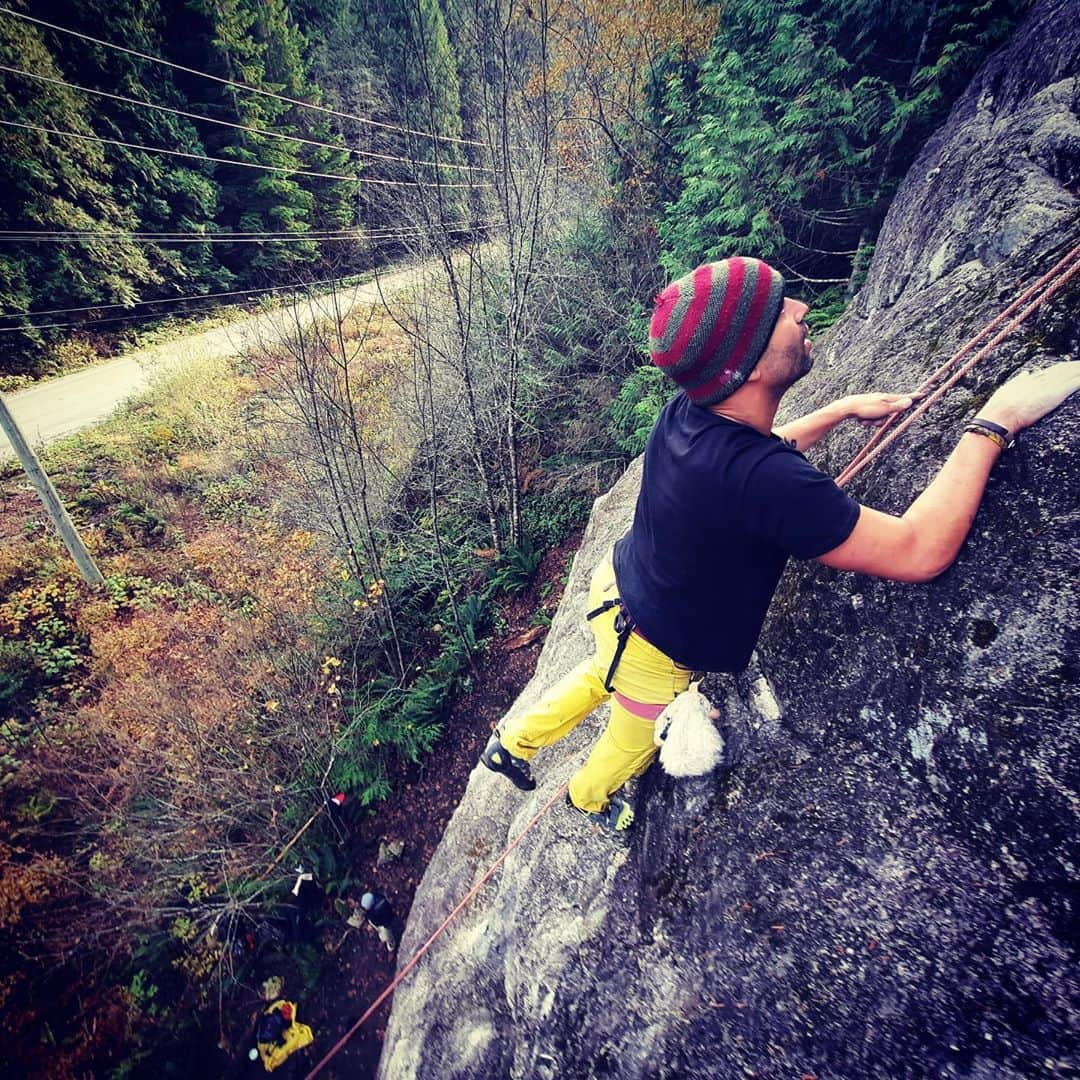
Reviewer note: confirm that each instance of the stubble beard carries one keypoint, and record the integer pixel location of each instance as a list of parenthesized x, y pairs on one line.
[(802, 361)]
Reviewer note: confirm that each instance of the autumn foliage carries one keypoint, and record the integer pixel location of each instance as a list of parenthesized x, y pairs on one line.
[(162, 737)]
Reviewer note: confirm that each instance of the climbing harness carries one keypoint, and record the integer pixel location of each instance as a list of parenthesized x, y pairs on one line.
[(1055, 279), (624, 627), (1051, 282)]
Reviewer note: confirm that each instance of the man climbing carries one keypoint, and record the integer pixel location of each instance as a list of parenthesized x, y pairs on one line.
[(725, 500)]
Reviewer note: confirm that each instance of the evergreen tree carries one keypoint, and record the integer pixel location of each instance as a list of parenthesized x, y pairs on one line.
[(793, 132), (167, 194), (420, 73), (55, 182), (256, 43)]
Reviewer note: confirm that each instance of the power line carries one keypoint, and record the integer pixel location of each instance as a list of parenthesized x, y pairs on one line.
[(164, 234), (95, 322), (238, 232), (89, 236), (196, 157), (135, 303), (241, 127), (165, 241), (451, 226), (228, 161), (398, 235), (154, 315), (241, 86)]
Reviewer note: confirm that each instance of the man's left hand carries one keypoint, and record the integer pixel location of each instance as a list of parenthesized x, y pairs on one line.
[(872, 410)]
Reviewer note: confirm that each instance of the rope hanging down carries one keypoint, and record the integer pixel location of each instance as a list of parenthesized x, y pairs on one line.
[(415, 958), (1055, 279), (1064, 270)]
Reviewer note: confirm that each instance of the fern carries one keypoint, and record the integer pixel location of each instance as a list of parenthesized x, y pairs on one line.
[(634, 411), (516, 567)]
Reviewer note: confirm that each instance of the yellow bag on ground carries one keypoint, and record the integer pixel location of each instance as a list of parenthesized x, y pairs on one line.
[(292, 1037)]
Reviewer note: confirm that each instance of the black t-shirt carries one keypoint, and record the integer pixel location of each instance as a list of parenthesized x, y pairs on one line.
[(721, 508)]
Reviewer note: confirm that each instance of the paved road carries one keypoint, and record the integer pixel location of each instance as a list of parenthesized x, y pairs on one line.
[(61, 406)]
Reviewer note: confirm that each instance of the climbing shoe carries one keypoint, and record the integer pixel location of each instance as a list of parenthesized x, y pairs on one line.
[(498, 759), (618, 814)]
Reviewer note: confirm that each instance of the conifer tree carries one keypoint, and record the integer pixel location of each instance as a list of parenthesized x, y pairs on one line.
[(55, 182), (420, 74), (167, 194), (255, 42), (792, 133)]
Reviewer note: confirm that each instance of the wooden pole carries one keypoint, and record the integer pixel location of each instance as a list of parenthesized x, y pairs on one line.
[(288, 847), (53, 506)]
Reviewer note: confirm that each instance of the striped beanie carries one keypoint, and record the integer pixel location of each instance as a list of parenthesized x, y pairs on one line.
[(710, 327)]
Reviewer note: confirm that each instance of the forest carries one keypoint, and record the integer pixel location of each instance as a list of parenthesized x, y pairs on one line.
[(308, 551)]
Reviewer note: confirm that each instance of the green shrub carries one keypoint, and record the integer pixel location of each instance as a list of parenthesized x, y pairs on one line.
[(231, 499), (472, 612), (516, 567), (549, 518), (126, 519), (20, 676), (10, 383), (137, 521), (137, 593), (826, 308), (633, 413), (55, 646), (41, 618)]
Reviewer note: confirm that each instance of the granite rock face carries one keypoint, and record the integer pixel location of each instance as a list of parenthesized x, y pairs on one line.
[(881, 882)]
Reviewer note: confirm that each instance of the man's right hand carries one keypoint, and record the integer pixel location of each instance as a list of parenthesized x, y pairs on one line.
[(1029, 396)]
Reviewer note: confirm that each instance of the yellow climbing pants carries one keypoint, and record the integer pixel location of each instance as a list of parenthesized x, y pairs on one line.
[(644, 676)]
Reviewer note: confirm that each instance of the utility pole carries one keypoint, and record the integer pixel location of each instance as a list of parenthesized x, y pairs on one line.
[(53, 506)]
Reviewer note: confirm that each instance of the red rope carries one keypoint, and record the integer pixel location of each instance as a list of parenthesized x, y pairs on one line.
[(880, 440), (415, 959)]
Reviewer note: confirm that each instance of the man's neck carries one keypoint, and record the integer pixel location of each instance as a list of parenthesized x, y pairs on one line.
[(752, 405)]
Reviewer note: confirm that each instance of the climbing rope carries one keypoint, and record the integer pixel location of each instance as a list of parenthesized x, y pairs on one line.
[(1055, 279), (415, 959)]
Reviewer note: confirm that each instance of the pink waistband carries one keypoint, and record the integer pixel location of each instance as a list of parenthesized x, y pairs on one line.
[(640, 709)]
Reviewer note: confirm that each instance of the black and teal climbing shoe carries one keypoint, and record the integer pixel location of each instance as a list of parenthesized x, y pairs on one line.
[(498, 759), (617, 815)]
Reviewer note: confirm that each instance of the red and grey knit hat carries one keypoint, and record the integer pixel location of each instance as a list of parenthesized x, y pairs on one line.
[(710, 327)]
